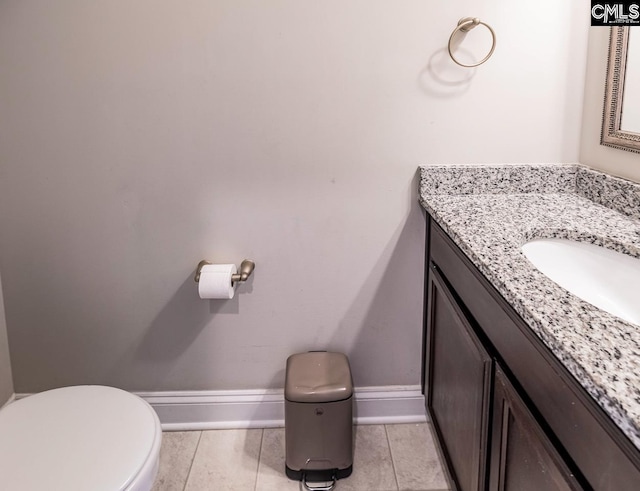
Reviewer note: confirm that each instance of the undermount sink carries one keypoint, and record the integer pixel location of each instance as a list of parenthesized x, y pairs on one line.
[(605, 278)]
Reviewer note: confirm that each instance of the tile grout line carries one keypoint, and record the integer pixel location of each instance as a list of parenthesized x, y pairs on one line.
[(393, 464), (255, 485), (193, 458)]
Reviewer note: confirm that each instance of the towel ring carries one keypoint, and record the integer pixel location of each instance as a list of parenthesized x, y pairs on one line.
[(465, 25)]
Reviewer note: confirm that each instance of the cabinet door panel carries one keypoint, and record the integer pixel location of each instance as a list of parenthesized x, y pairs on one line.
[(522, 458), (459, 381)]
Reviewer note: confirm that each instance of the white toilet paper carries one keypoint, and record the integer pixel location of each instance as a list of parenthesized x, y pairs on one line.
[(215, 281)]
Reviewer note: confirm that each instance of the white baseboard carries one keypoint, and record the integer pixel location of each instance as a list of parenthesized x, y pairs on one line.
[(225, 409), (208, 410)]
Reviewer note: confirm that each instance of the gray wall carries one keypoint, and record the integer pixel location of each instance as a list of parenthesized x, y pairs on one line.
[(618, 162), (6, 381), (138, 138)]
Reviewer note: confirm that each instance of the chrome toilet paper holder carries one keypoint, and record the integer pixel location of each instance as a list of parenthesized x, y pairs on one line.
[(246, 268)]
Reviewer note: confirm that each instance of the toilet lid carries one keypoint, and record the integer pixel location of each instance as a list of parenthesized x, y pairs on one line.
[(78, 438)]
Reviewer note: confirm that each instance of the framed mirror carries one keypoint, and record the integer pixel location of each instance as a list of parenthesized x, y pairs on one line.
[(621, 117)]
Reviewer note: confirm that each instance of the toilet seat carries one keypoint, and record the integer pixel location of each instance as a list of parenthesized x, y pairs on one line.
[(79, 438)]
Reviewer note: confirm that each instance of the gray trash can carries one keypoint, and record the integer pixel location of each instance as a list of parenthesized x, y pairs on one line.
[(318, 415)]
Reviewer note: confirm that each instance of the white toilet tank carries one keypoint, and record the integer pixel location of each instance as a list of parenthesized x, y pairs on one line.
[(79, 438)]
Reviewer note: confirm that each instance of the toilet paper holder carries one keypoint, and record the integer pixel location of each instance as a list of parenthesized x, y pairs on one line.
[(246, 268)]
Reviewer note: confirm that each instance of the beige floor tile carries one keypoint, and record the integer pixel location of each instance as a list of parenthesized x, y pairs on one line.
[(176, 455), (271, 475), (226, 460), (415, 458), (372, 467)]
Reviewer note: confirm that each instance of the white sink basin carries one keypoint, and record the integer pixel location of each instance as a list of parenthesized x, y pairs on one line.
[(608, 279)]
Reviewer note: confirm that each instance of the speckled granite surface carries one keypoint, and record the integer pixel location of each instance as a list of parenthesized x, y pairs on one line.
[(490, 211)]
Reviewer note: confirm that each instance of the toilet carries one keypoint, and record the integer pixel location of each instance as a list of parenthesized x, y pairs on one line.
[(79, 438)]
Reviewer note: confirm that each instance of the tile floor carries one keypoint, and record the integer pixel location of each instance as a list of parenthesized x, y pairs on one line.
[(386, 458)]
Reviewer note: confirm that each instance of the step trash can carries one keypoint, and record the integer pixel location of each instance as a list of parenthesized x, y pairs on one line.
[(318, 415)]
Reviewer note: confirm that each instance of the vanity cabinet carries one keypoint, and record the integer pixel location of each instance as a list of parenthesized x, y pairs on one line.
[(506, 412)]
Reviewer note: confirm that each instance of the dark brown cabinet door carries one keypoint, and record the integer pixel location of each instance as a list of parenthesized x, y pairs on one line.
[(458, 387), (522, 457)]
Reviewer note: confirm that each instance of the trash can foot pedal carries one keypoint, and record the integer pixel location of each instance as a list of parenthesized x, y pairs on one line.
[(322, 487)]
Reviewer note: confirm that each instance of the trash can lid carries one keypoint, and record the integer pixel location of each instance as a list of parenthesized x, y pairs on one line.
[(318, 376)]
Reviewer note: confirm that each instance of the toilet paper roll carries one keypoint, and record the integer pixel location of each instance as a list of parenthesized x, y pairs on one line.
[(215, 281)]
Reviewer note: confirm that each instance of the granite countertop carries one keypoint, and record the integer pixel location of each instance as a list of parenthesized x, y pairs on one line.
[(490, 211)]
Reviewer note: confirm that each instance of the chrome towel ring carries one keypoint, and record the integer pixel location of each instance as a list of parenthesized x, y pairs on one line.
[(465, 25)]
